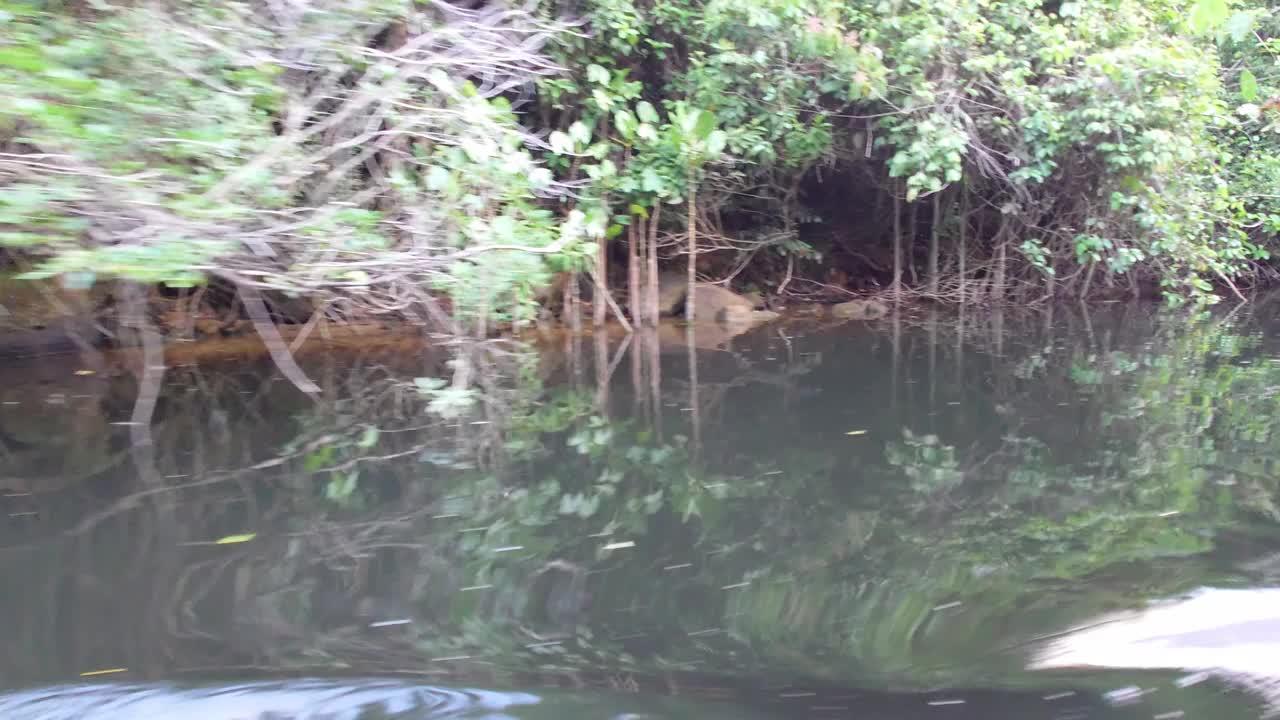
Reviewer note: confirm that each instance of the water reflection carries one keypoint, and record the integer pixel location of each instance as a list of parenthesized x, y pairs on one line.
[(906, 508), (350, 699), (1233, 635)]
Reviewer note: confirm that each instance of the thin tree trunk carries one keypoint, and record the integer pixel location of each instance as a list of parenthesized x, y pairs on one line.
[(690, 304), (998, 291), (913, 221), (934, 233), (964, 239), (897, 246), (599, 309), (633, 271), (653, 264)]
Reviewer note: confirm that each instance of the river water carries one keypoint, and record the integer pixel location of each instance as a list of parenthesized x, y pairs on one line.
[(1057, 515)]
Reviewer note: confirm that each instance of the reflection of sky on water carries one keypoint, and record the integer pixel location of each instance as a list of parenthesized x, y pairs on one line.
[(1232, 634), (295, 700)]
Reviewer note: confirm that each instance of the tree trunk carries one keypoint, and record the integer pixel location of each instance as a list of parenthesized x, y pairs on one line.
[(653, 263), (934, 232), (633, 271), (689, 304), (897, 246), (997, 292), (912, 228), (964, 239), (602, 284)]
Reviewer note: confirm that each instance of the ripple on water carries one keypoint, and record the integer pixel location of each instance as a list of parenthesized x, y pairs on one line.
[(276, 700)]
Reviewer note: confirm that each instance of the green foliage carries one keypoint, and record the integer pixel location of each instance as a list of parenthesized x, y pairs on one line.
[(1094, 129), (165, 144)]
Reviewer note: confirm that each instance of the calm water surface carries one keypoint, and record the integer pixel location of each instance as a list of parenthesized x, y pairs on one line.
[(1059, 516)]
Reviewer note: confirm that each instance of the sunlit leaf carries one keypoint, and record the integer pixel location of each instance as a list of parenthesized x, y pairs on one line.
[(233, 539), (646, 113), (1208, 14), (597, 74), (1248, 86)]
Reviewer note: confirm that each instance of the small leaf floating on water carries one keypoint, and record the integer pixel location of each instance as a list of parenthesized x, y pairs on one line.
[(1192, 679), (620, 545), (108, 671), (1123, 696), (389, 623), (856, 432), (233, 539), (86, 372)]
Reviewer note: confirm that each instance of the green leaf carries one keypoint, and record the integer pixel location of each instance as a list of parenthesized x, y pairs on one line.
[(561, 143), (580, 133), (716, 143), (706, 124), (626, 123), (1208, 14), (597, 74), (369, 438), (1240, 25), (1248, 86), (233, 539), (603, 101), (646, 113)]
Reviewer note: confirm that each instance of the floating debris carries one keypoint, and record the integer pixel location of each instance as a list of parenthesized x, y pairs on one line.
[(948, 606), (86, 372), (937, 703), (452, 659), (389, 623), (508, 548), (469, 588), (1061, 695), (708, 631), (1170, 513), (1123, 696), (551, 643), (681, 566), (233, 539), (1173, 715), (1187, 681), (735, 586), (856, 432), (797, 694), (619, 545), (108, 671)]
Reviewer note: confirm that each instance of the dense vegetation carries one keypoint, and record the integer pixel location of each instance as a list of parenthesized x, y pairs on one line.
[(443, 160)]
